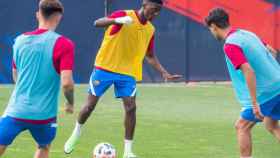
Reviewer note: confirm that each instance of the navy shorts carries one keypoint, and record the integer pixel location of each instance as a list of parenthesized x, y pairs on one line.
[(269, 109), (100, 81), (10, 128)]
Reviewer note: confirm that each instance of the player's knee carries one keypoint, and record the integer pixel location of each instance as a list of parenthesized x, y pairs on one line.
[(91, 103), (44, 148), (242, 126), (90, 107), (131, 109), (237, 126)]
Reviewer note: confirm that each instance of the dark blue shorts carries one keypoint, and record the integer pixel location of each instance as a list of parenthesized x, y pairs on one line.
[(269, 109), (100, 81), (10, 128)]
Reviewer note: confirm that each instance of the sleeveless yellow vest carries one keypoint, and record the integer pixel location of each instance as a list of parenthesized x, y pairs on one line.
[(124, 52)]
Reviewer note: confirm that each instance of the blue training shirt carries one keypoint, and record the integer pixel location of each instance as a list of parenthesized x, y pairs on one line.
[(35, 96), (265, 66)]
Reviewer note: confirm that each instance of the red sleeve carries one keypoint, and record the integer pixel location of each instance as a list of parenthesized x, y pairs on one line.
[(63, 57), (117, 14), (116, 28), (14, 64), (235, 54), (151, 45)]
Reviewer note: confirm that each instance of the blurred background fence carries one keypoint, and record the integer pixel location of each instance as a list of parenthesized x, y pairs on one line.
[(183, 44)]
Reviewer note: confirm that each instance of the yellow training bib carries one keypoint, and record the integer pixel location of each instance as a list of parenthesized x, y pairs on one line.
[(124, 51)]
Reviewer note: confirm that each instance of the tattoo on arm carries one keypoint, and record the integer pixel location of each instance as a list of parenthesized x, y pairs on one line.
[(69, 95)]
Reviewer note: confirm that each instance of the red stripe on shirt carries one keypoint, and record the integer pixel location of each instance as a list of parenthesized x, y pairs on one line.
[(37, 121), (14, 65), (36, 32), (100, 68)]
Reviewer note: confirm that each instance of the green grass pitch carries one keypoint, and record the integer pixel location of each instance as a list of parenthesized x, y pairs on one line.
[(174, 121)]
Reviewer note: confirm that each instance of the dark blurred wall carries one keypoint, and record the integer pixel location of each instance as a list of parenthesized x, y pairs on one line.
[(183, 45), (18, 16)]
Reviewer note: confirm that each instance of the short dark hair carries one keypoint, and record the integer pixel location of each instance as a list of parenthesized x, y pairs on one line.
[(219, 17), (50, 7), (156, 1)]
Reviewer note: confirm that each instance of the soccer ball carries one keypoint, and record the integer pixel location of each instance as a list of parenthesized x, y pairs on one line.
[(104, 150)]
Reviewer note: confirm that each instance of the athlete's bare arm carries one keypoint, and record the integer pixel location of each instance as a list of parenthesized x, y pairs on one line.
[(153, 60), (68, 89), (250, 78), (104, 22)]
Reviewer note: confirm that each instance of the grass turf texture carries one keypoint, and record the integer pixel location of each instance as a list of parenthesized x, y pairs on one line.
[(174, 121)]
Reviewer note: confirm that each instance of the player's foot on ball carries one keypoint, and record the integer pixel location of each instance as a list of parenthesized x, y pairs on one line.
[(129, 155), (70, 143)]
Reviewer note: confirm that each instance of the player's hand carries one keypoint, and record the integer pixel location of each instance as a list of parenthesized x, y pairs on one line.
[(124, 20), (69, 109), (257, 111), (168, 77)]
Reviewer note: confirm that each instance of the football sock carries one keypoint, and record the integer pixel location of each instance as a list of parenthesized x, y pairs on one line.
[(128, 146), (78, 129)]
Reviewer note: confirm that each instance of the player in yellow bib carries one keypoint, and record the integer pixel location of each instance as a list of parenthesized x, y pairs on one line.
[(129, 38)]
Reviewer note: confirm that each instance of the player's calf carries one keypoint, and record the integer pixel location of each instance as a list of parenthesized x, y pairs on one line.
[(243, 129), (130, 123), (2, 150), (87, 109), (130, 117), (272, 126), (82, 118), (130, 110)]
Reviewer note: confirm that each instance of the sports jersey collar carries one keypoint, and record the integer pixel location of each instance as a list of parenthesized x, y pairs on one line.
[(139, 18), (231, 32), (37, 31)]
